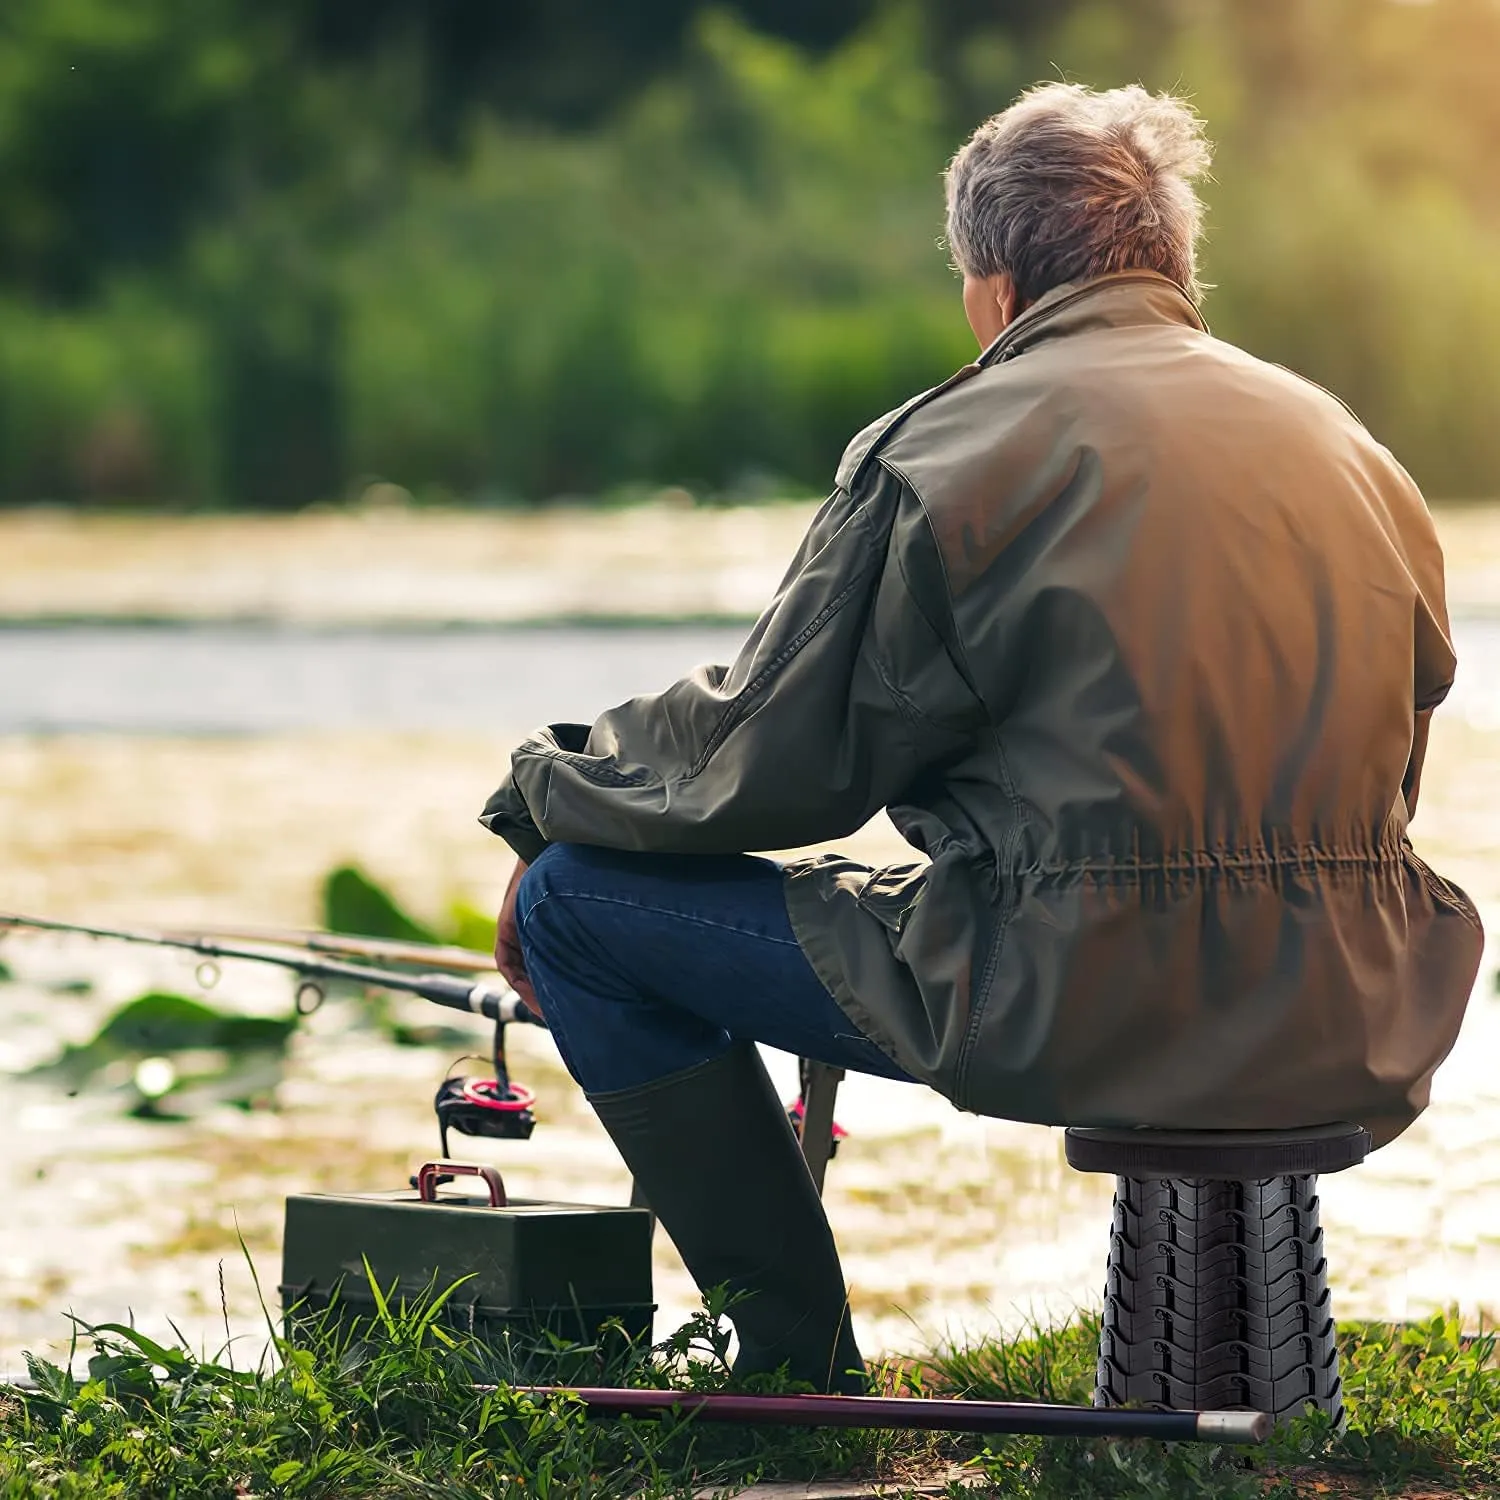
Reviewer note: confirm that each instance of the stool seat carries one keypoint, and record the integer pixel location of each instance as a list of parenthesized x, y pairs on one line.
[(1218, 1155)]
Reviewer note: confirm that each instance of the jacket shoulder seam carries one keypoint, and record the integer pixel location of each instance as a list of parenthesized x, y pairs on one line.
[(1332, 395), (965, 667), (735, 710), (604, 773), (1004, 856), (900, 418)]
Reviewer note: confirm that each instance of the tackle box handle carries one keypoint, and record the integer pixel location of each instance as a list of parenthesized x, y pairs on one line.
[(430, 1171)]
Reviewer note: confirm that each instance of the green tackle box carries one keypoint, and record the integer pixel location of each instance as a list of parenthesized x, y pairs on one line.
[(532, 1268)]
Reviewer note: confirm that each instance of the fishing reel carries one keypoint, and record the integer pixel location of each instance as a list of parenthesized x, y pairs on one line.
[(796, 1116), (484, 1107), (496, 1108)]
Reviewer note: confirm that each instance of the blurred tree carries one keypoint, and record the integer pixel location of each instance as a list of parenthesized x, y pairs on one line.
[(252, 248), (114, 122), (274, 361), (565, 62), (121, 126), (986, 51)]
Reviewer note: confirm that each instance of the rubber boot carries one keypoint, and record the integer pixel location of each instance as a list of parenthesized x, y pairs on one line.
[(713, 1152)]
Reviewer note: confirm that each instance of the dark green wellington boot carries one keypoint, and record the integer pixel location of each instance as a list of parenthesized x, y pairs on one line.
[(711, 1149)]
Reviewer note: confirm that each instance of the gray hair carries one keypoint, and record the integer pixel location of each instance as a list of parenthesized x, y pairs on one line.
[(1068, 184)]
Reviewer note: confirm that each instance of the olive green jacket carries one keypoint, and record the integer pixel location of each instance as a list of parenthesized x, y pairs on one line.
[(1135, 637)]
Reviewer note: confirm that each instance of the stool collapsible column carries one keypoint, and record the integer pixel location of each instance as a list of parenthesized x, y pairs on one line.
[(1216, 1292)]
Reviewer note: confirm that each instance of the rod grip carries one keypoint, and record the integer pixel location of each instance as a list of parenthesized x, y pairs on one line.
[(491, 998)]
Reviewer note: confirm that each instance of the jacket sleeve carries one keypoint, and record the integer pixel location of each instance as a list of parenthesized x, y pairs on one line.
[(840, 697)]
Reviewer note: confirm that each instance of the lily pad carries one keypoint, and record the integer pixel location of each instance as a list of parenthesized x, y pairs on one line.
[(468, 927), (355, 905), (247, 1080), (162, 1022), (159, 1024)]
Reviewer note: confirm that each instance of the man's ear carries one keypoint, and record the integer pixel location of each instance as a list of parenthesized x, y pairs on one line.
[(1007, 298)]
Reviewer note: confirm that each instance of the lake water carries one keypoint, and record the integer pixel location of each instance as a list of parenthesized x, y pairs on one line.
[(226, 679)]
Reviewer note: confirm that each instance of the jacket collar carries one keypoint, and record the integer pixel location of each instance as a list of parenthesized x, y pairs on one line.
[(1122, 299)]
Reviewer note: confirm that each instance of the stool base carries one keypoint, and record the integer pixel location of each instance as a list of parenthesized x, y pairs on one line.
[(1217, 1297)]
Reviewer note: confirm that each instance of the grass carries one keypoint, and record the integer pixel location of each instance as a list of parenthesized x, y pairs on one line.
[(392, 1409), (1423, 1404)]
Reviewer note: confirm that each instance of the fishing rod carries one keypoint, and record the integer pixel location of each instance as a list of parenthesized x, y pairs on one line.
[(497, 1107), (925, 1414), (492, 997), (344, 945)]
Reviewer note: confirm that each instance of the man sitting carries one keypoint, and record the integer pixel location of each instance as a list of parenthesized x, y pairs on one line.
[(1136, 638)]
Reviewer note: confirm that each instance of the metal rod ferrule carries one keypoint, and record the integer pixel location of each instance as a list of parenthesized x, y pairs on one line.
[(1233, 1426)]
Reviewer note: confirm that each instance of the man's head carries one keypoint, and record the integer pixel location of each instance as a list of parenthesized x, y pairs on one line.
[(1068, 184)]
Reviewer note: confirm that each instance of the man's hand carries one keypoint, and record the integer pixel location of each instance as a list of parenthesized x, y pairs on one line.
[(508, 957)]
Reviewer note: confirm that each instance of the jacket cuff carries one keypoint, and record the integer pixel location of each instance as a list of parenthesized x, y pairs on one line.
[(507, 815)]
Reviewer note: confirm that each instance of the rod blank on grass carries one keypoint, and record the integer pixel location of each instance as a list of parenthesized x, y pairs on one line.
[(911, 1413), (898, 1413)]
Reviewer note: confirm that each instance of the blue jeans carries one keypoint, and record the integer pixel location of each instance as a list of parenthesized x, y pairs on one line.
[(646, 964)]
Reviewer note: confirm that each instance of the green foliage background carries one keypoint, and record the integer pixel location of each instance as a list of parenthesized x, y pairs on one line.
[(265, 254)]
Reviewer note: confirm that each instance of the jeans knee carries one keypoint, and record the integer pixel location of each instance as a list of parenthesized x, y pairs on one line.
[(541, 899), (537, 880)]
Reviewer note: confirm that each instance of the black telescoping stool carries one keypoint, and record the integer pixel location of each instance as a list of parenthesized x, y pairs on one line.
[(1217, 1289)]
